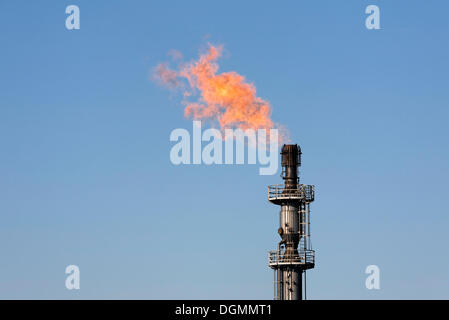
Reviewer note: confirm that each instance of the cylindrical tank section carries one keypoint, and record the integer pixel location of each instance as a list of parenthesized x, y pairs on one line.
[(289, 227), (289, 284)]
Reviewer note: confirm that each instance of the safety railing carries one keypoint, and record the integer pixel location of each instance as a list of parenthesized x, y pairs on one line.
[(301, 192), (303, 257)]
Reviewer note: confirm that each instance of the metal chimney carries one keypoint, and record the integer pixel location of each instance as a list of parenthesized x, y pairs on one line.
[(294, 254)]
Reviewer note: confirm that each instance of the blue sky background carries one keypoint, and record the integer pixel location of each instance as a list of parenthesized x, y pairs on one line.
[(85, 176)]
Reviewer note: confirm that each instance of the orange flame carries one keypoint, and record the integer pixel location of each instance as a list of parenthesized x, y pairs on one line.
[(225, 97)]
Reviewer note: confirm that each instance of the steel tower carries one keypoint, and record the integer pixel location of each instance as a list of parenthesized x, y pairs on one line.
[(294, 254)]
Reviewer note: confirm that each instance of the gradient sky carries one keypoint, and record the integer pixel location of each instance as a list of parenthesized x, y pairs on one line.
[(85, 176)]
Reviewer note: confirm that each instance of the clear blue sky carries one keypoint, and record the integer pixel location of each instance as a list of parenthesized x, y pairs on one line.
[(85, 176)]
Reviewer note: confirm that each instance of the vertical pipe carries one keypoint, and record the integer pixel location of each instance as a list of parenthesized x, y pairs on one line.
[(299, 285), (305, 285), (308, 227), (274, 284), (280, 284)]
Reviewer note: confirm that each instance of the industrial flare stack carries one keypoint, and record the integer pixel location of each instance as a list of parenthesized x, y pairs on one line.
[(294, 254)]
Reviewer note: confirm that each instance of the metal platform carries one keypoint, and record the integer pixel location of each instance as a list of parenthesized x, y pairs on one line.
[(278, 193), (304, 259)]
